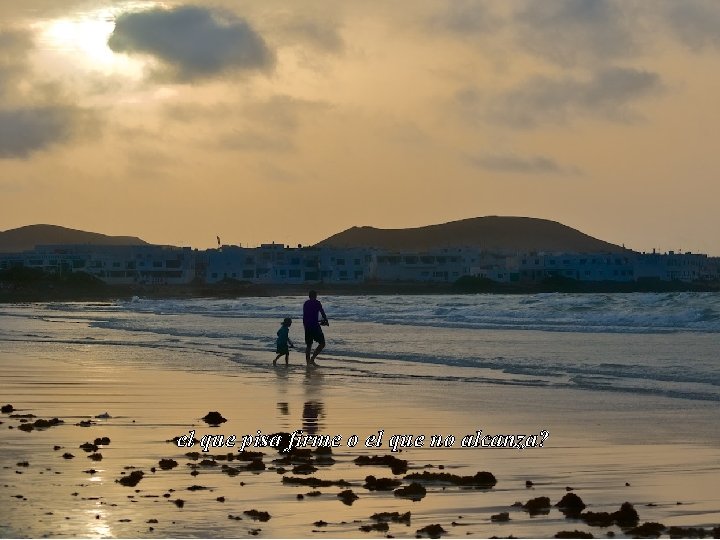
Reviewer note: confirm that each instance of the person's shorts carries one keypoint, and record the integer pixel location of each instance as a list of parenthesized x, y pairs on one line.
[(283, 349), (314, 334)]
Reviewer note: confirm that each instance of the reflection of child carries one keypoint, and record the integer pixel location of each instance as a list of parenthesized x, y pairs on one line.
[(283, 339)]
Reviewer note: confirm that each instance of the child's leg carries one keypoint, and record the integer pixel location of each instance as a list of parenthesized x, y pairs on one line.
[(287, 358), (276, 359)]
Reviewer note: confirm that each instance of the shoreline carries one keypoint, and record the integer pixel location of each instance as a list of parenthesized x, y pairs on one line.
[(58, 290)]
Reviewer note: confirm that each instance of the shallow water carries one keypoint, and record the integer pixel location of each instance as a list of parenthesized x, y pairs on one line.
[(658, 344)]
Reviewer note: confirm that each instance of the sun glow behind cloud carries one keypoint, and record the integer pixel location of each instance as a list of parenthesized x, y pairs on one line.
[(82, 39)]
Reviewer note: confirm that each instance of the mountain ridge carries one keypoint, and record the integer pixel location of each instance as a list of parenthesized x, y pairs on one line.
[(491, 233), (27, 237)]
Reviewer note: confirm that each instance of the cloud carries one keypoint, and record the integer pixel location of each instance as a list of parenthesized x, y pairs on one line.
[(14, 46), (32, 122), (26, 130), (466, 18), (510, 163), (609, 94), (192, 42), (321, 35), (696, 23), (270, 125), (283, 111), (572, 32)]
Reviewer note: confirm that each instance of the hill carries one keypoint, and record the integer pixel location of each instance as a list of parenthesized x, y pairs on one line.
[(492, 233), (26, 238)]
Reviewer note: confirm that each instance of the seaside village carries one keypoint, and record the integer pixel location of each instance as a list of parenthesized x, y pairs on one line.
[(277, 264)]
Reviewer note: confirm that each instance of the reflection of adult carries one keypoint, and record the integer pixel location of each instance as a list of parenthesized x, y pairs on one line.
[(311, 416), (311, 310)]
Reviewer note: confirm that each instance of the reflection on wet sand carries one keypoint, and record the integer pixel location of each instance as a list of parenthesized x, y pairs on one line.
[(313, 411), (314, 408), (284, 408)]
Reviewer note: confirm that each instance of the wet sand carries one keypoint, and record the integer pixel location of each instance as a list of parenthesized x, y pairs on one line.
[(630, 450)]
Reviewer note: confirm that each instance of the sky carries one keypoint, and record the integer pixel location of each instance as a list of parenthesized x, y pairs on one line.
[(290, 121)]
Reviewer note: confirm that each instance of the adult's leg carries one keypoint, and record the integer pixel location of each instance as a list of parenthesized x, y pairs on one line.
[(308, 346), (319, 348)]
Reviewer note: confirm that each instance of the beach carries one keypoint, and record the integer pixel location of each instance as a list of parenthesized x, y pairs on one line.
[(142, 373)]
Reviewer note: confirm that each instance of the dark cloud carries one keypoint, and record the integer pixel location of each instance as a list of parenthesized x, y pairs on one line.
[(192, 42), (571, 32), (609, 94), (696, 23), (27, 130), (510, 163)]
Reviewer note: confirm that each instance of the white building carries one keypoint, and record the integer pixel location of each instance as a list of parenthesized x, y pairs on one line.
[(578, 266), (441, 265), (675, 266), (276, 263), (118, 265)]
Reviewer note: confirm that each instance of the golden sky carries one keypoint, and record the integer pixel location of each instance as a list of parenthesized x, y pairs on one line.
[(291, 121)]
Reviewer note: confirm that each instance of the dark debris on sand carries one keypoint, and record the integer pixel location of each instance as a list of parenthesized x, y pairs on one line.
[(626, 517), (40, 423), (214, 418), (414, 492), (247, 455), (305, 468), (347, 497), (538, 505), (433, 531), (395, 517), (257, 515), (380, 527), (167, 464), (571, 505), (132, 479), (573, 534), (649, 529), (482, 479), (398, 466), (314, 482), (381, 484)]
